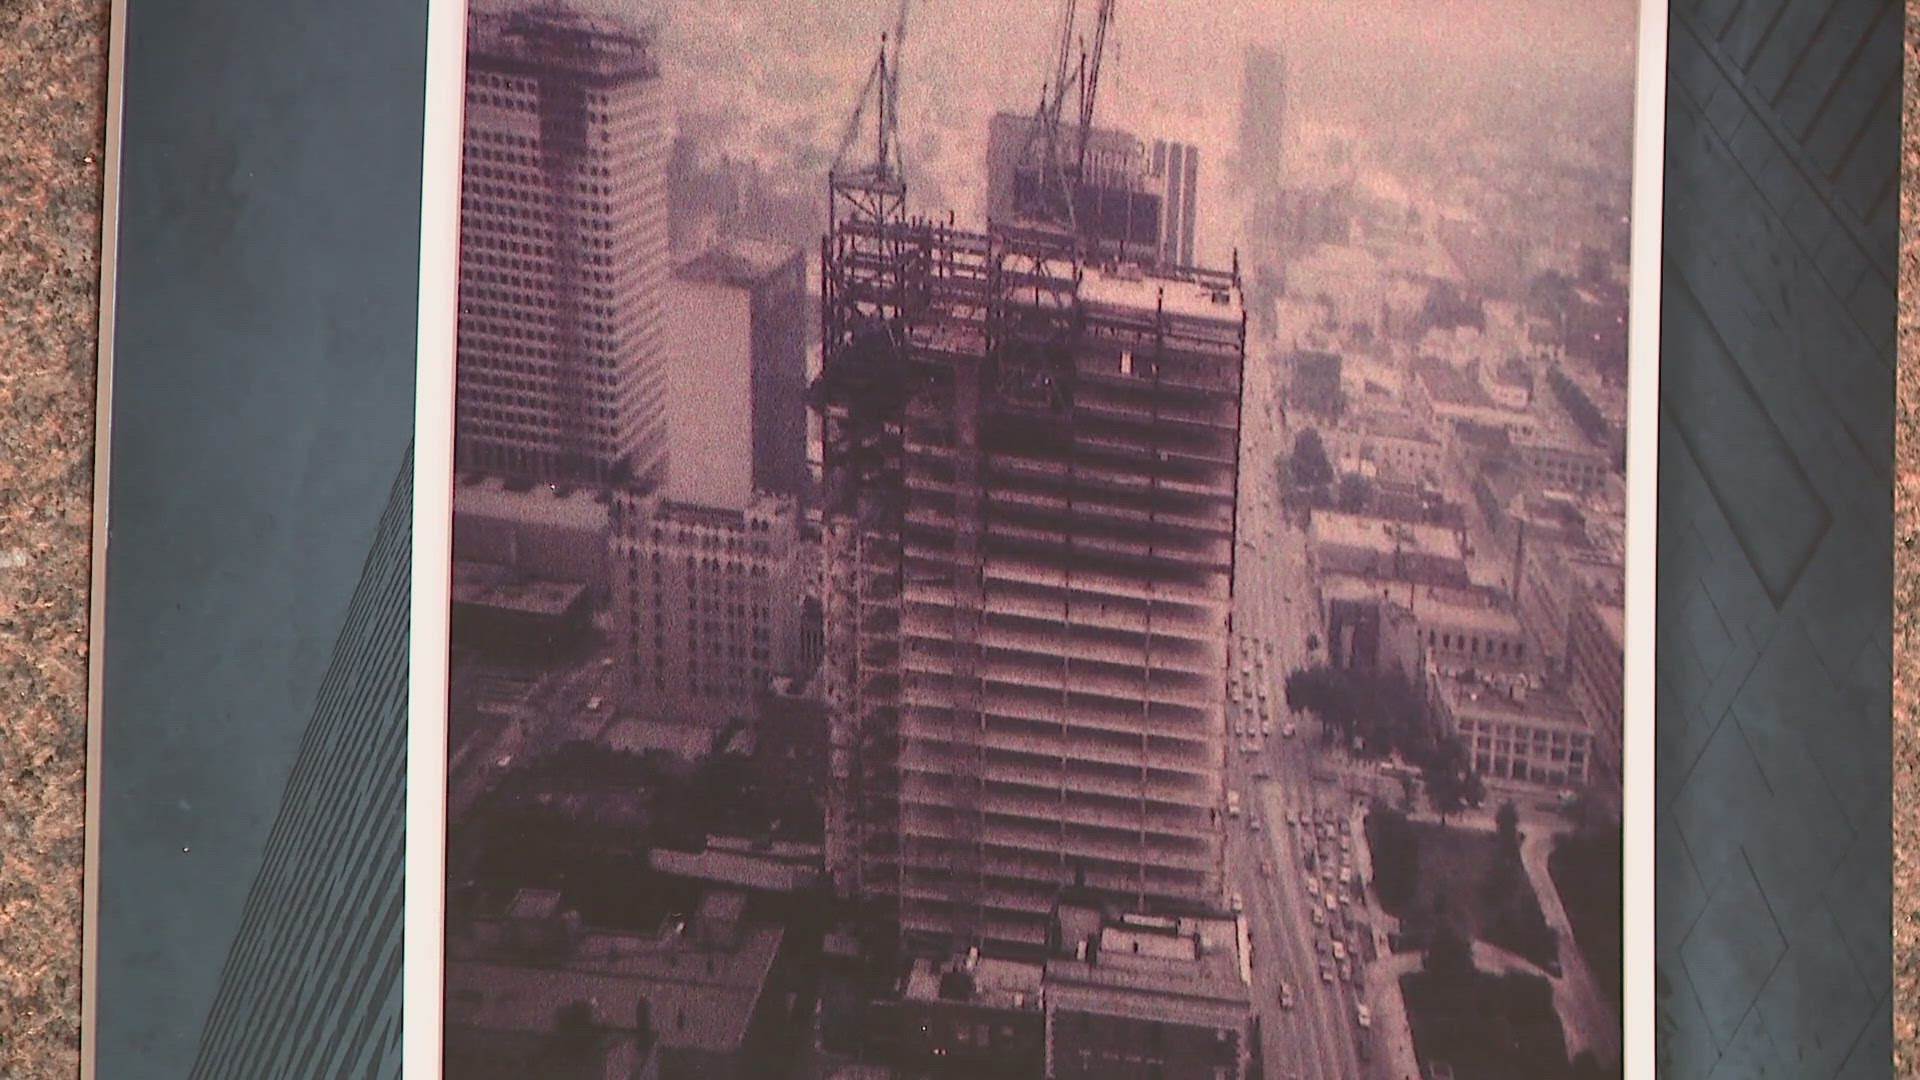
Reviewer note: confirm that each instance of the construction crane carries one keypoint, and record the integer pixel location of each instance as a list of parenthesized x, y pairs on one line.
[(1057, 165), (883, 178)]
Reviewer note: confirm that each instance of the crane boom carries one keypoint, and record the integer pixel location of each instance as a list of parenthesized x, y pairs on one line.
[(1091, 84)]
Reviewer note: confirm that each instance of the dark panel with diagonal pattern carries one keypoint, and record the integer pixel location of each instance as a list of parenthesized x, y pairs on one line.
[(1775, 562)]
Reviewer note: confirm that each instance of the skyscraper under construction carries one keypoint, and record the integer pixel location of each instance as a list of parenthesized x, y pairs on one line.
[(1031, 458)]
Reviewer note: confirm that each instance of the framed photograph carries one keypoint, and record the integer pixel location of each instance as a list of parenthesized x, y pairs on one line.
[(1092, 539)]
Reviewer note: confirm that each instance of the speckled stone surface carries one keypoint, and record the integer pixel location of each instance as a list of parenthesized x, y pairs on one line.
[(52, 83), (1906, 596), (52, 80)]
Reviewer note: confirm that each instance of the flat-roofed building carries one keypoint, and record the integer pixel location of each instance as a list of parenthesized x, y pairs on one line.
[(971, 1016), (1151, 998), (1371, 547), (1516, 731), (513, 616), (532, 991), (1596, 661), (737, 319), (556, 530)]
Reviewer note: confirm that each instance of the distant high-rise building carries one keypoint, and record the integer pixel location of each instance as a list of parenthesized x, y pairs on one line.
[(1177, 167), (706, 603), (738, 417), (1029, 506), (1118, 202), (1263, 114), (563, 248)]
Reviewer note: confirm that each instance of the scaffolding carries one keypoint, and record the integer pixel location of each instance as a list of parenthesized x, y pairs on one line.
[(1031, 466)]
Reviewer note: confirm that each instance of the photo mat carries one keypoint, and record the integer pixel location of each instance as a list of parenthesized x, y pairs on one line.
[(990, 541)]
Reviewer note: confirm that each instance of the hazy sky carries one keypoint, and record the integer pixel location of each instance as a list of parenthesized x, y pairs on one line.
[(777, 78)]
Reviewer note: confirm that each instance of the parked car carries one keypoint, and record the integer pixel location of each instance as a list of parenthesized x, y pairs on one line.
[(1363, 1015)]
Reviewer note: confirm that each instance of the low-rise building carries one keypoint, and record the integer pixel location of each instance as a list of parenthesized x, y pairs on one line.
[(549, 530), (1596, 662), (971, 1018), (507, 614), (1371, 547), (706, 603), (532, 991), (1150, 998), (1513, 730)]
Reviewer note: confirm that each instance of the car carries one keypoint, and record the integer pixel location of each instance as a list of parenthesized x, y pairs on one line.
[(1346, 971), (1339, 950), (1326, 974), (1313, 884), (1286, 996), (1263, 774), (1288, 731), (1363, 1015), (1239, 904), (1333, 902), (1253, 824), (594, 703), (1293, 819)]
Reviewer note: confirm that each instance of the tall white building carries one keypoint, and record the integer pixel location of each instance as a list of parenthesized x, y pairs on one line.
[(563, 248), (706, 603), (737, 330)]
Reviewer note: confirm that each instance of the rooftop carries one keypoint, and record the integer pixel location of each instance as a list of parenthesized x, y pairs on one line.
[(738, 261), (1378, 534), (1535, 705), (1142, 292), (996, 983), (1448, 385), (487, 585), (1436, 609), (562, 505)]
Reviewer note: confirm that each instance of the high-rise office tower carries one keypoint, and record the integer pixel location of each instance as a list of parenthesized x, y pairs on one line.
[(563, 248), (1176, 168), (1028, 514), (737, 313), (1117, 198), (1263, 114), (311, 985)]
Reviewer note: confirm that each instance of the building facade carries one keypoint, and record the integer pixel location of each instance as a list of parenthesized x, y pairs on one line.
[(1515, 732), (1596, 660), (1176, 166), (1263, 114), (706, 603), (563, 248), (311, 984), (737, 314), (1029, 540)]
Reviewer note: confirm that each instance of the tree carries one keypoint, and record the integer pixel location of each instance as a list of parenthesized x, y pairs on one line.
[(1355, 493), (1446, 778), (1507, 821), (1309, 465)]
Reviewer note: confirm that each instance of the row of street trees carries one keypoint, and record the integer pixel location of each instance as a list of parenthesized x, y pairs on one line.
[(1382, 714)]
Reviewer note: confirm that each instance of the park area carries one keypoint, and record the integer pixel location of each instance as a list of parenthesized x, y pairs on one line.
[(1427, 875)]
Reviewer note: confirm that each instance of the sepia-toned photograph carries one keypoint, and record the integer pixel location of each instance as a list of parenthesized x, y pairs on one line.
[(1057, 539)]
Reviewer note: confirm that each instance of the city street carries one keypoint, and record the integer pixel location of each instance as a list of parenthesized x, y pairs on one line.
[(1320, 1035)]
